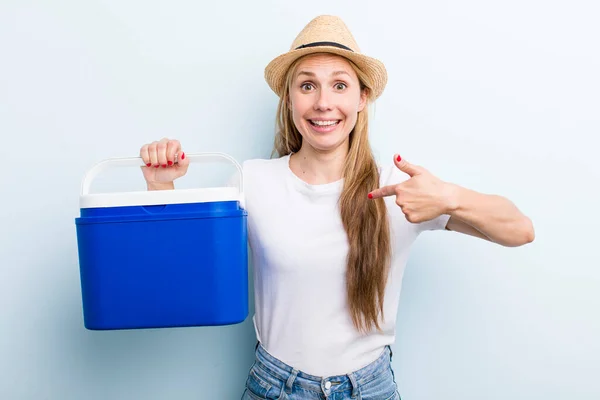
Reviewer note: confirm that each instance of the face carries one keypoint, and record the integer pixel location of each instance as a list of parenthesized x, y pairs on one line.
[(325, 98)]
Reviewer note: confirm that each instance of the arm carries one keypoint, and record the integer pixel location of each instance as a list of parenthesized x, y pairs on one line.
[(425, 197), (489, 217)]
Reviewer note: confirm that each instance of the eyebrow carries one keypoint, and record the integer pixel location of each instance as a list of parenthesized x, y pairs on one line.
[(312, 75)]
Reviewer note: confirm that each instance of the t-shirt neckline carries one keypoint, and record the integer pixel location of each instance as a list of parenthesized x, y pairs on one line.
[(324, 188)]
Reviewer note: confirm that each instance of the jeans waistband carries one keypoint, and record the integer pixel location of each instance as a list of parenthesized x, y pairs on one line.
[(289, 375)]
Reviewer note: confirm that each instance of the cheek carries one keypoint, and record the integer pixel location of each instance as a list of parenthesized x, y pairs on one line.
[(350, 105), (298, 107), (298, 110), (350, 110)]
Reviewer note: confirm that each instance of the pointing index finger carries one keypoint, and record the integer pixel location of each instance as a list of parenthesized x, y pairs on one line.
[(383, 192)]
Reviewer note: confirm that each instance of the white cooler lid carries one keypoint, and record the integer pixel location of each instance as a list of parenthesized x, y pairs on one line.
[(158, 197)]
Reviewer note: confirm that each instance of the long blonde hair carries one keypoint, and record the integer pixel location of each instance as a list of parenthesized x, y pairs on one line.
[(365, 221)]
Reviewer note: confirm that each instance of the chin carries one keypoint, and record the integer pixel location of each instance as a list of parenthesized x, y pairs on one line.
[(326, 145)]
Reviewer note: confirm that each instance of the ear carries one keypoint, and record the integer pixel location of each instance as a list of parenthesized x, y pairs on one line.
[(364, 96)]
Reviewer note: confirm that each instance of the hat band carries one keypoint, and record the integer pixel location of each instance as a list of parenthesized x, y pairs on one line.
[(319, 44)]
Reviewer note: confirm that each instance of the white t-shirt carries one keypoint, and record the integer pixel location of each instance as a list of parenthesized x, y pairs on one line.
[(299, 248)]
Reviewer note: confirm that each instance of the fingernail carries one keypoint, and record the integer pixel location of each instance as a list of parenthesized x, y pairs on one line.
[(149, 165), (182, 156), (164, 165), (399, 158), (370, 195), (170, 163), (156, 166)]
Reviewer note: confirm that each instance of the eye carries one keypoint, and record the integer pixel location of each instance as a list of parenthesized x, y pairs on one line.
[(340, 86), (307, 86)]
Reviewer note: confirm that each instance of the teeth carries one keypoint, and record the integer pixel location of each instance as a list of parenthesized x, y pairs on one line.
[(324, 123)]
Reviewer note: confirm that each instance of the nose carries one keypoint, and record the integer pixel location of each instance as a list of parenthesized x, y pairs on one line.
[(322, 101)]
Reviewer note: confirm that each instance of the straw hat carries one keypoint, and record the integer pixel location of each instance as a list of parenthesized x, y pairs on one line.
[(325, 34)]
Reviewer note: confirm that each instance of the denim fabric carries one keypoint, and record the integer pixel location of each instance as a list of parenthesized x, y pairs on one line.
[(271, 379)]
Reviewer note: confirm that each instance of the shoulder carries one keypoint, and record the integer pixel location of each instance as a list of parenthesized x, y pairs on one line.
[(261, 167), (262, 163), (259, 171)]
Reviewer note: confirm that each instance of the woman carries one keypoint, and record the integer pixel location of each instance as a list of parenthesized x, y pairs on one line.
[(329, 230)]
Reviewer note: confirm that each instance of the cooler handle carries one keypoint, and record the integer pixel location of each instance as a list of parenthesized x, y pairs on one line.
[(138, 162)]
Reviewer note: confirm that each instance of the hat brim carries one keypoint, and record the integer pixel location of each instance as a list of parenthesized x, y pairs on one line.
[(276, 70)]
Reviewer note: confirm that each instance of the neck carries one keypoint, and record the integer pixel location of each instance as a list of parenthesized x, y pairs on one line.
[(317, 167)]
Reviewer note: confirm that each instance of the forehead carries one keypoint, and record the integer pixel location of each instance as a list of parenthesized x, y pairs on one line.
[(324, 65)]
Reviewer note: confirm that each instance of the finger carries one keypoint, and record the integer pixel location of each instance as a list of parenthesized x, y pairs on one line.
[(161, 151), (173, 147), (153, 154), (145, 156), (407, 167), (383, 192), (182, 160)]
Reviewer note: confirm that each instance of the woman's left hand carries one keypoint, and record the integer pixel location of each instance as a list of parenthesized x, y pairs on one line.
[(422, 197)]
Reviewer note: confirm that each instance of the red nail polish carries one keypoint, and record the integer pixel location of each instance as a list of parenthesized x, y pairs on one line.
[(182, 156), (399, 158), (370, 195), (156, 166), (164, 165), (149, 165), (170, 163)]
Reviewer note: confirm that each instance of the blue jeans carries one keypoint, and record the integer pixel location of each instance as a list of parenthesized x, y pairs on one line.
[(271, 379)]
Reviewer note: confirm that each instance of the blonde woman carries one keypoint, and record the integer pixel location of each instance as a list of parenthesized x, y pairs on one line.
[(330, 230)]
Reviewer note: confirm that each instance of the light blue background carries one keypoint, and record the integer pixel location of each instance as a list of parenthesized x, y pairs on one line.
[(501, 97)]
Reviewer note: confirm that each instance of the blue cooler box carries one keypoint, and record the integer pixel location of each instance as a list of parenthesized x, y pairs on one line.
[(158, 259)]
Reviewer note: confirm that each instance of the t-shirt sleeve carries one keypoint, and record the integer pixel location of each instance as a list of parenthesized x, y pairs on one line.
[(435, 224)]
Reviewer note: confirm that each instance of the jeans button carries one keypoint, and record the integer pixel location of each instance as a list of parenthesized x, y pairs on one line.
[(327, 385)]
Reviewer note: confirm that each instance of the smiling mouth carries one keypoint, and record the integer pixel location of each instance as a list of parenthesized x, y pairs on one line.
[(324, 124)]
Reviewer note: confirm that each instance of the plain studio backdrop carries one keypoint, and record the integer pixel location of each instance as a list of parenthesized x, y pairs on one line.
[(501, 97)]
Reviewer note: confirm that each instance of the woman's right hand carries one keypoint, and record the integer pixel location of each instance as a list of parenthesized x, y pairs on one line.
[(165, 162)]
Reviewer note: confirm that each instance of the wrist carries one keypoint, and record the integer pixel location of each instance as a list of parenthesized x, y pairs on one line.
[(160, 186), (452, 196)]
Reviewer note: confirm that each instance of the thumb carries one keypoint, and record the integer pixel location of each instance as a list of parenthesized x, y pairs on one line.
[(182, 160), (406, 167)]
